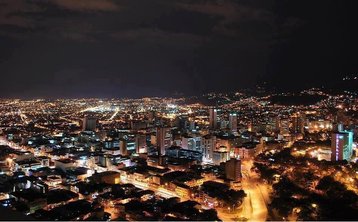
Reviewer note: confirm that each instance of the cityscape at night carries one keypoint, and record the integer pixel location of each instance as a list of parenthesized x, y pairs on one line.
[(178, 110)]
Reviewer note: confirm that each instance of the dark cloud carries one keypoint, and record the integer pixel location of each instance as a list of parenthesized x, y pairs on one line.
[(87, 5), (64, 48), (315, 45)]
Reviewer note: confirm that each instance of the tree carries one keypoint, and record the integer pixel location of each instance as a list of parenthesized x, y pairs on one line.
[(209, 215), (283, 205), (234, 198), (265, 171), (327, 183)]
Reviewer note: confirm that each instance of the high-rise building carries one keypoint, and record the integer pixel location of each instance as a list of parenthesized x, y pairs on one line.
[(191, 143), (284, 126), (220, 156), (89, 123), (141, 143), (277, 124), (209, 144), (213, 118), (233, 169), (233, 122), (341, 145), (163, 139), (126, 146), (191, 125), (123, 147), (151, 115), (298, 123)]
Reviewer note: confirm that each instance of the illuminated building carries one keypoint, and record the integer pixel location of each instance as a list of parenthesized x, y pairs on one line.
[(223, 124), (111, 144), (180, 153), (163, 139), (44, 160), (191, 143), (233, 122), (64, 164), (233, 169), (248, 150), (224, 143), (209, 144), (298, 123), (27, 165), (284, 126), (31, 199), (191, 125), (213, 118), (108, 177), (220, 157), (319, 125), (140, 143), (126, 146), (183, 190), (341, 145), (89, 123)]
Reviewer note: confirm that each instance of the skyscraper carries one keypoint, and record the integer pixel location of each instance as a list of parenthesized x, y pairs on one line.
[(209, 144), (164, 139), (191, 143), (341, 145), (123, 147), (298, 123), (126, 146), (233, 169), (233, 122), (141, 143), (89, 123), (213, 118)]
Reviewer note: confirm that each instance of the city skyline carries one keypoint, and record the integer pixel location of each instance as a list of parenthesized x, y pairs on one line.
[(247, 158)]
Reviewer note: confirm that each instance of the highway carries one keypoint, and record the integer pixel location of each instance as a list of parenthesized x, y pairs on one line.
[(257, 193)]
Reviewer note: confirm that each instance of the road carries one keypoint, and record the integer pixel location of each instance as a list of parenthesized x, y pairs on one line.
[(255, 205), (257, 201)]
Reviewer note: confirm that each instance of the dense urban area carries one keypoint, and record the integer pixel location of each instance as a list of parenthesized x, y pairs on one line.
[(237, 156)]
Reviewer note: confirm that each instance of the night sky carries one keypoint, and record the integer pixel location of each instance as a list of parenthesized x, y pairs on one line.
[(136, 48)]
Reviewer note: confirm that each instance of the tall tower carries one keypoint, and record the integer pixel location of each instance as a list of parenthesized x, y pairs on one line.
[(164, 139), (123, 147), (209, 145), (213, 118), (341, 145), (89, 123), (233, 169), (298, 123), (233, 122), (140, 143)]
